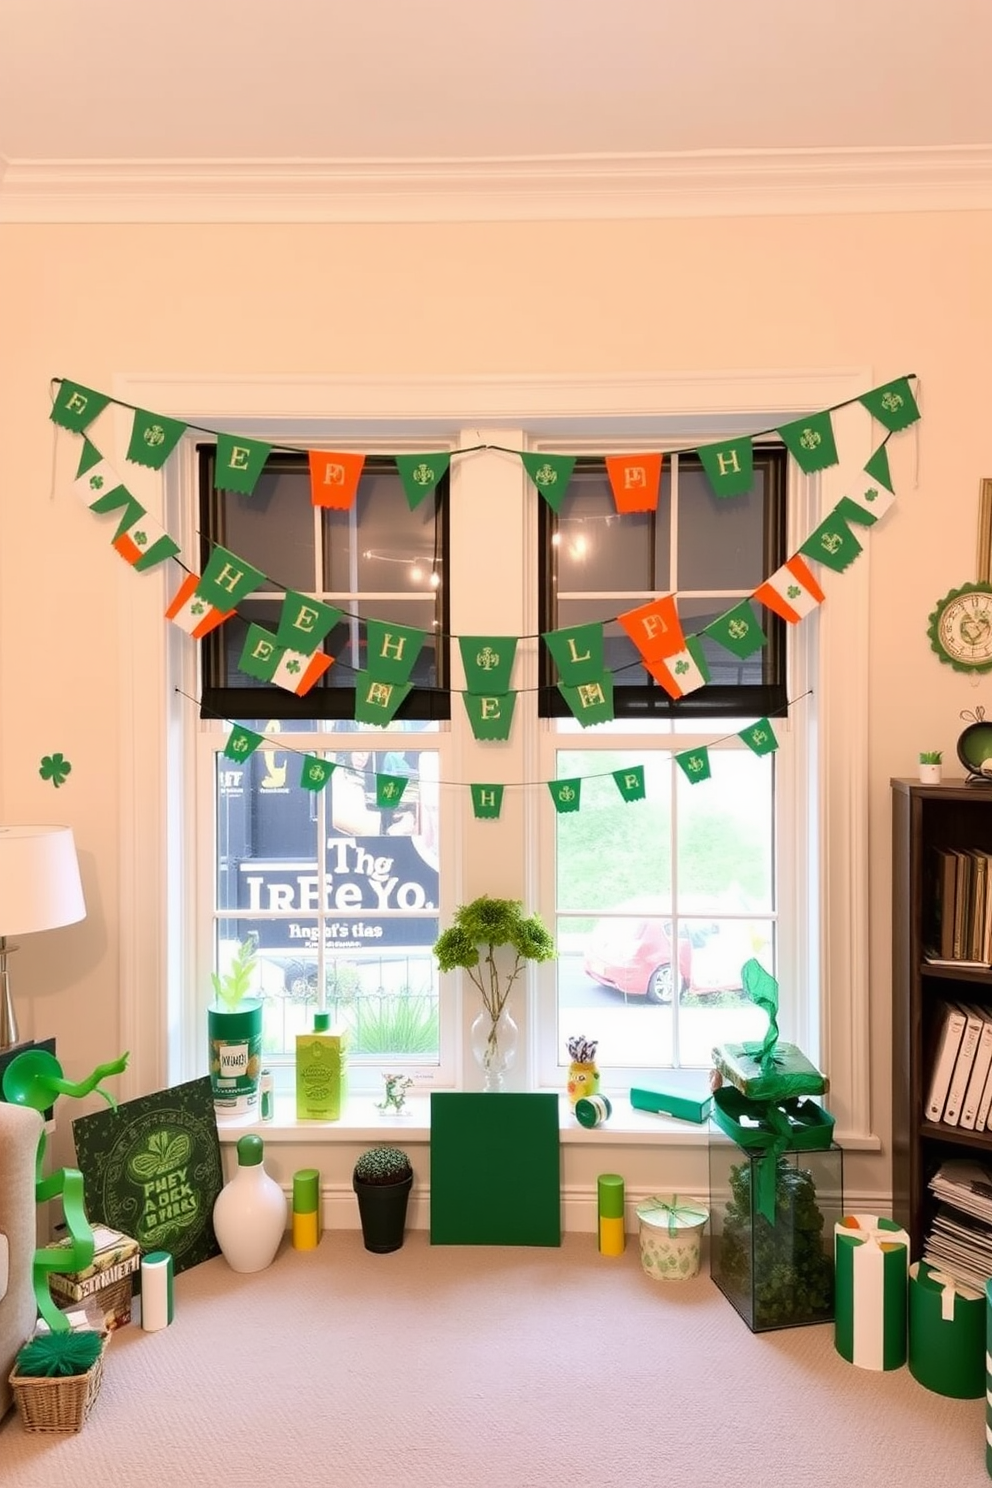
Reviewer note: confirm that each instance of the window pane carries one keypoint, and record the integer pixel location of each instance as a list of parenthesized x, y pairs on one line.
[(596, 550), (380, 546), (721, 540), (273, 529)]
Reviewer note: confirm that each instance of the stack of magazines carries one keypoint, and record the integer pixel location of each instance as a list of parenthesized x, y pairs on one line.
[(960, 1239)]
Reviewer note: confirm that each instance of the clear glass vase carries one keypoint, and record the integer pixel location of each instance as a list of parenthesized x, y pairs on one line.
[(494, 1045)]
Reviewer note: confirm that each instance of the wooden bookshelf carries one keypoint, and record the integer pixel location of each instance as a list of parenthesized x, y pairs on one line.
[(926, 819)]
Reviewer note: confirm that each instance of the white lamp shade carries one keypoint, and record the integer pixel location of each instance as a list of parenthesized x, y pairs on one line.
[(40, 887)]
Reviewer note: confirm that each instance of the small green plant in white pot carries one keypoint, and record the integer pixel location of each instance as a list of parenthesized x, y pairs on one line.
[(930, 762), (234, 1027)]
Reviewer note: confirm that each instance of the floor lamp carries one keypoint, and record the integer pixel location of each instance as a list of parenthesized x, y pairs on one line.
[(40, 889)]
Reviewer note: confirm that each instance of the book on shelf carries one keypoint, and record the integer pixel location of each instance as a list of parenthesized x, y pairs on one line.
[(948, 1043), (985, 1104), (962, 1065), (978, 1078), (962, 891), (978, 907)]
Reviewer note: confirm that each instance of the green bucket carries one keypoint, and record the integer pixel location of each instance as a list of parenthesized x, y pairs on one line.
[(235, 1057)]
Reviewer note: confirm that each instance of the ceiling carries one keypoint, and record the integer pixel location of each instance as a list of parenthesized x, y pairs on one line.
[(383, 108)]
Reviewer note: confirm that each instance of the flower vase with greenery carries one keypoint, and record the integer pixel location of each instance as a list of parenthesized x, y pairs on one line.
[(234, 1026), (493, 940)]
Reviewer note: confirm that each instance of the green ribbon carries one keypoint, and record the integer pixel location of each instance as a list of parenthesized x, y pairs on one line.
[(688, 1214), (781, 1126)]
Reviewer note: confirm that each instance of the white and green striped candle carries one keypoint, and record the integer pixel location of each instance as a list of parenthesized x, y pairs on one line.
[(871, 1262)]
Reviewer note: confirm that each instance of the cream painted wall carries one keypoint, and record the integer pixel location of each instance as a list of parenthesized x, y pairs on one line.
[(896, 293)]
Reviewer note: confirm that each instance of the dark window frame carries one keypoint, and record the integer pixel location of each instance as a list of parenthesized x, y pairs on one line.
[(219, 700), (648, 699)]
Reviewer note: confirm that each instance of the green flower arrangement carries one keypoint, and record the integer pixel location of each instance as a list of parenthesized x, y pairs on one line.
[(381, 1165), (478, 931), (235, 984)]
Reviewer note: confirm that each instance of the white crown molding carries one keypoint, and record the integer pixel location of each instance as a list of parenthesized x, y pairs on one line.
[(708, 183)]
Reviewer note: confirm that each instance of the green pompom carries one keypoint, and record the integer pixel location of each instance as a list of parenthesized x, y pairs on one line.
[(51, 1354)]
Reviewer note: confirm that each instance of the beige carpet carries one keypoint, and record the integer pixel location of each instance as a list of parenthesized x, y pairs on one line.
[(444, 1367)]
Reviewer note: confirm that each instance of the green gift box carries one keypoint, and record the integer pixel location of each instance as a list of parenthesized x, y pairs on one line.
[(668, 1103)]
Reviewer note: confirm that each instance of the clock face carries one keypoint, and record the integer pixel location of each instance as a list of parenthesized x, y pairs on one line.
[(961, 628)]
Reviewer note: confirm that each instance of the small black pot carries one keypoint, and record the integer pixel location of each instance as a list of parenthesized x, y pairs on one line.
[(382, 1208)]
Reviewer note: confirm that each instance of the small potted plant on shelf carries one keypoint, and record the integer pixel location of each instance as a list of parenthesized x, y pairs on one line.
[(234, 1028), (480, 929), (382, 1179), (930, 766)]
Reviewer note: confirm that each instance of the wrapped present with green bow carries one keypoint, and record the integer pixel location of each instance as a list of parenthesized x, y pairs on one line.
[(770, 1070)]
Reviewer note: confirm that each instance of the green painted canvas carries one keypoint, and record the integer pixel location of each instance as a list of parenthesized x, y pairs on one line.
[(495, 1169)]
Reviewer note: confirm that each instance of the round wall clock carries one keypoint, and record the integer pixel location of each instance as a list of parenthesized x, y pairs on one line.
[(960, 628)]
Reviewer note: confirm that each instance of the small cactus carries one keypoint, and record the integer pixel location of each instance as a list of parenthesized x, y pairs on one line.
[(382, 1165)]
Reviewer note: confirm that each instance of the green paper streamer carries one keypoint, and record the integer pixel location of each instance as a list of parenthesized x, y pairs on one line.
[(738, 630), (392, 650), (421, 475), (153, 438), (566, 794), (239, 463), (242, 743), (488, 662), (76, 407), (487, 800), (316, 772), (490, 716), (304, 622), (729, 466), (833, 544), (892, 404), (760, 737), (630, 782), (389, 789), (227, 580), (550, 474), (810, 442), (577, 652), (591, 702), (376, 701), (695, 763)]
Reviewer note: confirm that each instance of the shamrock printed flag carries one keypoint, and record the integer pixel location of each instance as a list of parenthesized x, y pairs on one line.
[(490, 715), (791, 592), (316, 772), (729, 466), (810, 442), (228, 579), (192, 613), (334, 478), (239, 463), (392, 650), (878, 467), (264, 659), (892, 404), (566, 794), (550, 474), (682, 673), (591, 702), (76, 407), (144, 544), (738, 630), (636, 480), (421, 475), (578, 652), (488, 662), (630, 782), (487, 800), (242, 742), (695, 764), (153, 438), (760, 737), (95, 476), (304, 622), (376, 700), (865, 504), (389, 789), (832, 544), (119, 499), (655, 628)]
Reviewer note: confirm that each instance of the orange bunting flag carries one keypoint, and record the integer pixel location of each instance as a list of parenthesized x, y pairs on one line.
[(334, 478), (192, 613), (635, 480), (792, 591), (655, 628)]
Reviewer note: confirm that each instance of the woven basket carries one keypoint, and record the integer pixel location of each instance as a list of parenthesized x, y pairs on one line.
[(60, 1403)]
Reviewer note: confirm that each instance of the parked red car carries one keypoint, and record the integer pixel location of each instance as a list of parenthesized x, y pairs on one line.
[(632, 952)]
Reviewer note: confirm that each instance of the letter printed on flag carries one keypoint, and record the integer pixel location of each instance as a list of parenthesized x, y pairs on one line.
[(655, 628), (334, 478), (791, 592), (635, 480)]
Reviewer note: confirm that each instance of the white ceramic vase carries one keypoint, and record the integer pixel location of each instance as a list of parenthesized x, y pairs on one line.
[(250, 1212)]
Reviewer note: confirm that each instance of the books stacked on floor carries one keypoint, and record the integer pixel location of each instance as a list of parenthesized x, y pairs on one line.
[(962, 908), (960, 1089), (960, 1238)]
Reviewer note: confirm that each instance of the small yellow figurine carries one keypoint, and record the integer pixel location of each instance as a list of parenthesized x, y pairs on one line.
[(583, 1076)]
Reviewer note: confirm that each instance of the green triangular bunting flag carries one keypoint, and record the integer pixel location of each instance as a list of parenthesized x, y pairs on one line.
[(630, 782), (760, 737), (389, 789), (153, 438), (810, 441), (376, 701), (487, 800), (119, 497), (578, 652), (239, 463), (729, 466), (695, 763), (738, 630), (304, 622), (490, 714), (550, 474), (316, 772), (227, 579), (76, 407), (566, 794), (259, 654), (591, 702), (878, 468), (242, 743), (892, 404), (832, 544), (420, 475), (392, 650), (488, 662)]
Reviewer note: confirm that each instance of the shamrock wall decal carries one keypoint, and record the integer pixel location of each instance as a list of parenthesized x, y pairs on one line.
[(55, 767)]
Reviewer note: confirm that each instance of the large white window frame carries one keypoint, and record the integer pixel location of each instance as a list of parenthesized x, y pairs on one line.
[(419, 412)]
